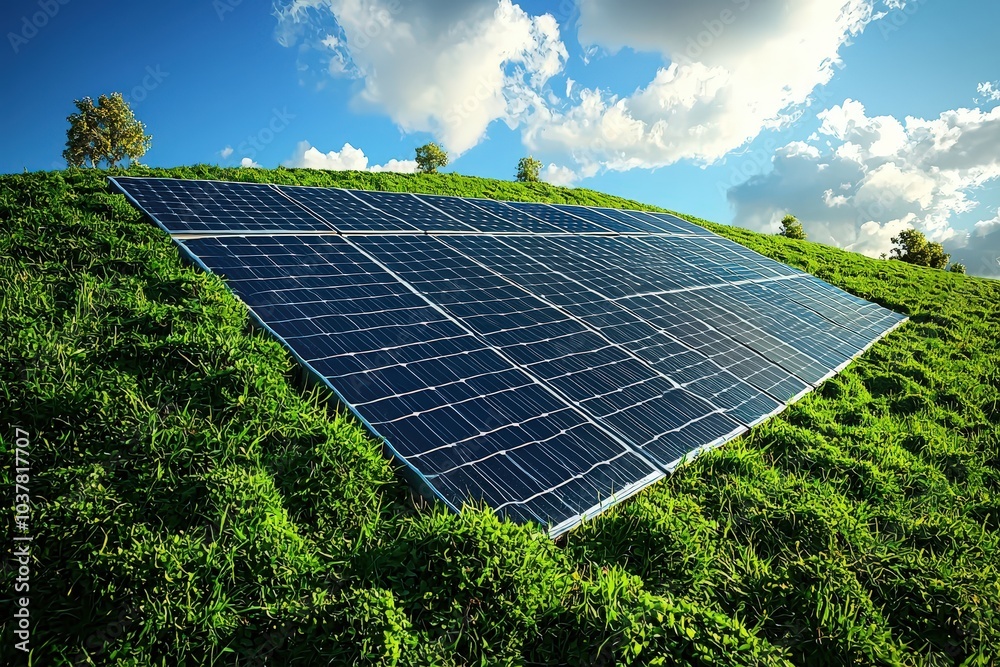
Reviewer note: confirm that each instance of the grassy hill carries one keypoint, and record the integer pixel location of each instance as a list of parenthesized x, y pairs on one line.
[(193, 503)]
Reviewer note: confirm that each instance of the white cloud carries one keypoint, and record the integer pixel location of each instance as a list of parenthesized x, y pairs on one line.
[(448, 67), (797, 148), (891, 186), (874, 239), (875, 176), (396, 166), (226, 152), (347, 158), (249, 163), (731, 69), (559, 175), (985, 228), (990, 92), (737, 67)]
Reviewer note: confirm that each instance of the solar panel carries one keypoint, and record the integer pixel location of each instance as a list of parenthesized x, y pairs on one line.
[(671, 224), (768, 308), (344, 211), (630, 224), (600, 220), (409, 207), (547, 361), (217, 207), (617, 389), (561, 220), (843, 309), (681, 319), (723, 257), (525, 221), (469, 422), (516, 258), (671, 257), (495, 221)]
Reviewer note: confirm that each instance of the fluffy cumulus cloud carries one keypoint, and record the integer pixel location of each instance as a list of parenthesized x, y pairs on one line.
[(226, 152), (450, 67), (863, 179), (986, 228), (248, 163), (735, 68), (559, 175), (729, 70), (347, 158)]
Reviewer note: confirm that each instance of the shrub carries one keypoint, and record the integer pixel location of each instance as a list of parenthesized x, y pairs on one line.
[(791, 228), (528, 169)]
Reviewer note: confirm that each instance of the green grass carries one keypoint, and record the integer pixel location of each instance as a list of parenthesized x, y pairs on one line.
[(194, 503)]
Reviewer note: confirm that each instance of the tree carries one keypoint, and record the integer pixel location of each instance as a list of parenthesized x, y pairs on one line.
[(791, 228), (528, 169), (105, 132), (913, 248), (430, 158), (957, 267)]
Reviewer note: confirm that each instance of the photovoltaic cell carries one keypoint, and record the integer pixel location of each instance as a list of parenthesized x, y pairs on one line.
[(495, 221), (520, 218), (671, 224), (561, 220), (513, 258), (846, 310), (406, 206), (678, 318), (617, 389), (545, 360), (599, 219), (190, 207), (343, 211), (721, 253), (452, 407), (627, 223)]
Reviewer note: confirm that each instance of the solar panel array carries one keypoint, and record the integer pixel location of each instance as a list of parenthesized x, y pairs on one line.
[(547, 361)]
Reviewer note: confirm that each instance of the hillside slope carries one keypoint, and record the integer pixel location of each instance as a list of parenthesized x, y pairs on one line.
[(192, 502)]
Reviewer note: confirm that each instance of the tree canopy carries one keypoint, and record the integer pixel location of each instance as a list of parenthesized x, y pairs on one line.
[(430, 158), (528, 170), (791, 228), (913, 247), (104, 132)]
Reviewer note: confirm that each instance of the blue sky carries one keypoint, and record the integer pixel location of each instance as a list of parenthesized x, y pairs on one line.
[(733, 110)]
